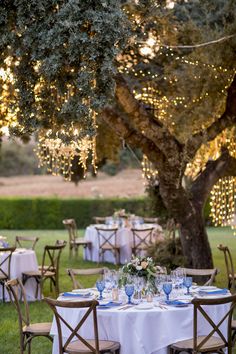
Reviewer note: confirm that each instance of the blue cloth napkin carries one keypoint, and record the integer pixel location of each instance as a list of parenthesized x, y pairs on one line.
[(76, 295), (214, 292), (177, 303), (110, 304)]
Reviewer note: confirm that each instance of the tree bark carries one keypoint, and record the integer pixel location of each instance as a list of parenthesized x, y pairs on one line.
[(140, 129)]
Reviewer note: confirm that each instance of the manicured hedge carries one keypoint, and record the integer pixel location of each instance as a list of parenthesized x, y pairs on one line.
[(48, 213)]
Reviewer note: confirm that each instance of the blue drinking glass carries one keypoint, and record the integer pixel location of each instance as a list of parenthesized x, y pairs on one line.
[(129, 290), (167, 288), (100, 284), (188, 283)]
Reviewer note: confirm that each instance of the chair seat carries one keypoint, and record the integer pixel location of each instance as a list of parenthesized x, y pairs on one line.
[(109, 247), (230, 276), (212, 343), (140, 248), (37, 273), (38, 328), (80, 241), (3, 277), (79, 347)]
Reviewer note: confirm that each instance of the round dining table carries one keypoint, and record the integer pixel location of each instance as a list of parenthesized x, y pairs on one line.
[(124, 240), (23, 260), (139, 330)]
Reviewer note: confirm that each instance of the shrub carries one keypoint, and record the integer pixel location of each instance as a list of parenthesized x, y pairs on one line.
[(48, 213), (167, 253)]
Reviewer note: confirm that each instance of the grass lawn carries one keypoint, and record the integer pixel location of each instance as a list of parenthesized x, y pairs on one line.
[(39, 311)]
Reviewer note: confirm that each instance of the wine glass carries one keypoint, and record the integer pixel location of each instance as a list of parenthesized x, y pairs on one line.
[(100, 284), (167, 288), (188, 283), (129, 290), (139, 285)]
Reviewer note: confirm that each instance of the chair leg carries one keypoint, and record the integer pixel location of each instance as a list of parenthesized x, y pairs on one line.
[(3, 292)]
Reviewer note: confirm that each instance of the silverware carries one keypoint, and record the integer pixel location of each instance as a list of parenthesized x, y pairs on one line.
[(125, 307)]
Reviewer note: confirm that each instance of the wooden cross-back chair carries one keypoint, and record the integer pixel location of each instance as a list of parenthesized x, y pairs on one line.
[(214, 341), (28, 330), (202, 274), (80, 345), (142, 238), (75, 274), (229, 267), (74, 241), (107, 241), (48, 270), (26, 241), (5, 267)]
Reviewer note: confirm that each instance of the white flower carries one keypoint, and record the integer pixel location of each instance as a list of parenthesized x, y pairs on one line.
[(139, 267), (149, 259)]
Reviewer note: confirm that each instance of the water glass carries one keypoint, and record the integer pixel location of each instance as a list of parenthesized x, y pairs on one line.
[(188, 283), (100, 284), (129, 290), (167, 288)]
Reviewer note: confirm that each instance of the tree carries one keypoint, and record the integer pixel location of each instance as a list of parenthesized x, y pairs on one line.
[(171, 98)]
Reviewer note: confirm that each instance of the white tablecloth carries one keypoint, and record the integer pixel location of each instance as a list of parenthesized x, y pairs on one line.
[(124, 240), (140, 331), (21, 261)]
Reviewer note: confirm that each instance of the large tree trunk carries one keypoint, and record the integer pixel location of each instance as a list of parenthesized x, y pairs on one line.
[(188, 213), (195, 244)]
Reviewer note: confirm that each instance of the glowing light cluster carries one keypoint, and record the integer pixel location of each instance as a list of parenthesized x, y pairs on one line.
[(56, 151), (223, 194), (149, 173)]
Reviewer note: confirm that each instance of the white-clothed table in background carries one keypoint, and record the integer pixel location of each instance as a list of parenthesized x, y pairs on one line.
[(124, 240), (23, 260), (147, 331)]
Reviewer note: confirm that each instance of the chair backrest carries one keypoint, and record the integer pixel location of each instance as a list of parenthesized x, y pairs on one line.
[(229, 266), (5, 262), (16, 291), (75, 273), (90, 309), (142, 238), (60, 243), (199, 273), (99, 219), (214, 326), (70, 225), (51, 259), (26, 241), (107, 237)]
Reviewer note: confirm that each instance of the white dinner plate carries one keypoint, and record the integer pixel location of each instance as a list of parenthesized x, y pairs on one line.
[(204, 288), (144, 306)]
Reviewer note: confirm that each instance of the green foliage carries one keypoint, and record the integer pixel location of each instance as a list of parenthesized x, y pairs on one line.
[(18, 159), (48, 213), (167, 253), (63, 58)]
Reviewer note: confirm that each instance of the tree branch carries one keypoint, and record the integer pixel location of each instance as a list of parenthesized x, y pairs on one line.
[(228, 119), (132, 136), (145, 123), (224, 166)]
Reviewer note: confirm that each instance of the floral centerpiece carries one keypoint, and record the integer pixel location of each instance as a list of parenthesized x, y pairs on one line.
[(120, 213), (141, 267)]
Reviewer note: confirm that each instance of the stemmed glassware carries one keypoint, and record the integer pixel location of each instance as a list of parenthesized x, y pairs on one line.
[(167, 288), (129, 290), (139, 283), (100, 284), (188, 283)]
